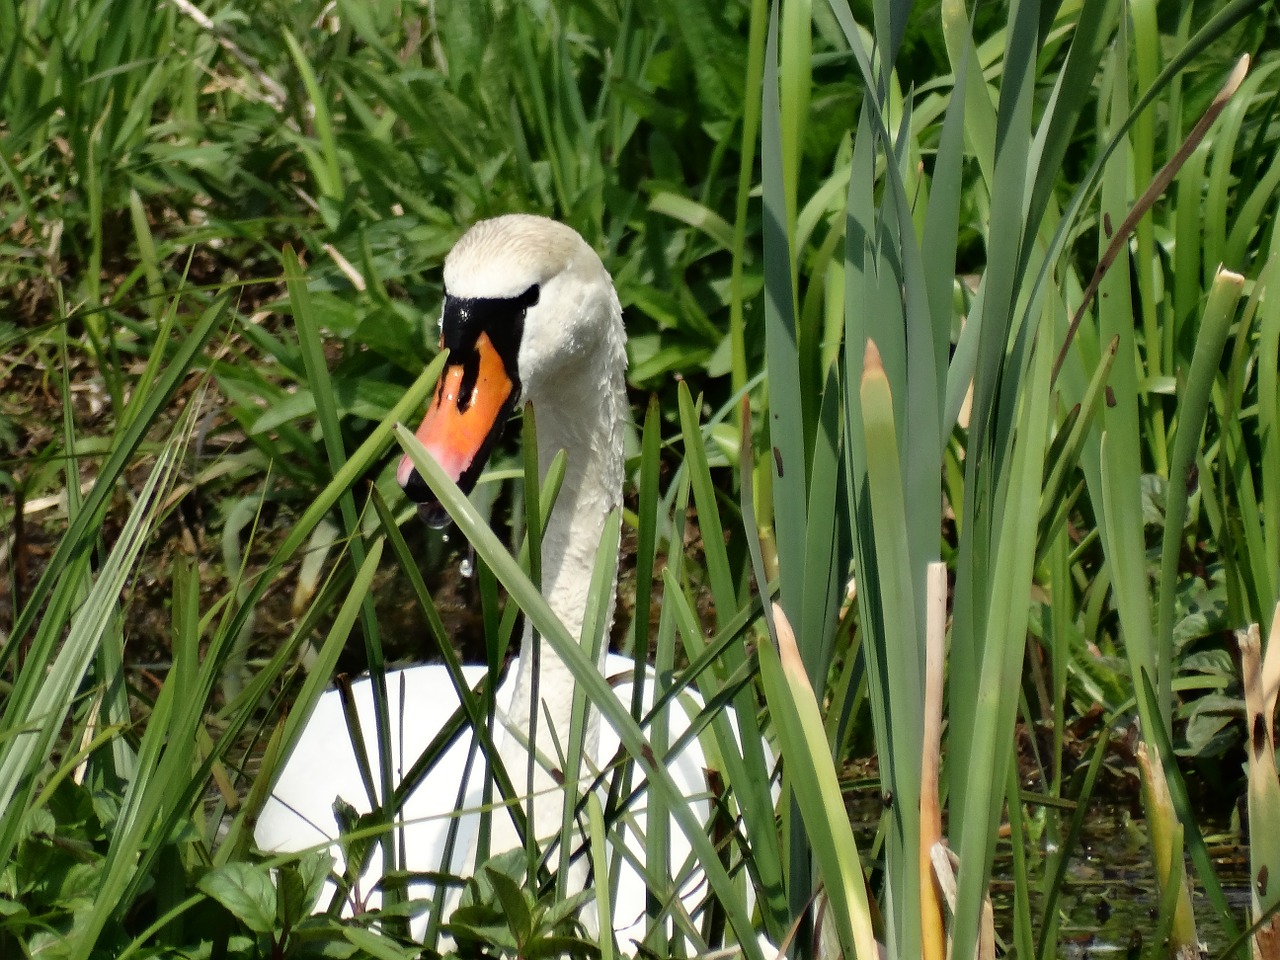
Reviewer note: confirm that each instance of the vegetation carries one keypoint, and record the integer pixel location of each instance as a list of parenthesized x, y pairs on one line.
[(950, 329)]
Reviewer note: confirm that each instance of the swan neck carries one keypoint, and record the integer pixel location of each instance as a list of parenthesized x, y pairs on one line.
[(585, 417), (591, 489)]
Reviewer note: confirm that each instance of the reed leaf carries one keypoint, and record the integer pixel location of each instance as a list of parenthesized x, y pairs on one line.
[(588, 677)]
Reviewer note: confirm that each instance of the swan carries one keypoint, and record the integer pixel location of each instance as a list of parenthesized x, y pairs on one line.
[(529, 311)]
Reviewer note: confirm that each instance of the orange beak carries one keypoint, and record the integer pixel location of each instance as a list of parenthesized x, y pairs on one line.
[(464, 421)]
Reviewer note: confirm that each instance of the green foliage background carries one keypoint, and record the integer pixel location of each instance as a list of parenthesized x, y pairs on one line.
[(221, 226)]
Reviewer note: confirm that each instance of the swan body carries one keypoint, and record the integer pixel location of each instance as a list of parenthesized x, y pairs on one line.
[(299, 814), (529, 311)]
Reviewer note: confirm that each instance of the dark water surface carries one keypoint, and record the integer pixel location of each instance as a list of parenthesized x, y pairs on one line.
[(1109, 902)]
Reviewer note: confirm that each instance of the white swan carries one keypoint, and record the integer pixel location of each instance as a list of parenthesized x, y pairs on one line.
[(529, 311)]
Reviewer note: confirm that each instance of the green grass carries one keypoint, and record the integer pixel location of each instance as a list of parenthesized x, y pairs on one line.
[(832, 227)]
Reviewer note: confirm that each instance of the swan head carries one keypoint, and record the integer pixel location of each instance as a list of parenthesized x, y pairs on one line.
[(528, 310)]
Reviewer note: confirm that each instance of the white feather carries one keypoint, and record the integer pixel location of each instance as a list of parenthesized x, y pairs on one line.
[(571, 363)]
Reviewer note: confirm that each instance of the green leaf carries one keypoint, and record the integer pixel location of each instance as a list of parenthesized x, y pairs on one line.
[(561, 946), (514, 902), (817, 789), (299, 885), (1193, 405), (295, 406), (246, 890), (378, 946), (695, 215), (314, 869)]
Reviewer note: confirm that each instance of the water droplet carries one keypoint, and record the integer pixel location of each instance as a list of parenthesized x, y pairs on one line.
[(466, 567)]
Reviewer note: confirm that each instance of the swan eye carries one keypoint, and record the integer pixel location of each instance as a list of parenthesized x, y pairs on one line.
[(464, 320), (529, 298)]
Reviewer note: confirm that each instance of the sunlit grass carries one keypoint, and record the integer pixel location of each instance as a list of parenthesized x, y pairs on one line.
[(228, 223)]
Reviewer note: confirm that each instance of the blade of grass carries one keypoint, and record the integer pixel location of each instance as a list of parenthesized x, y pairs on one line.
[(311, 347), (325, 165), (1193, 404), (33, 719), (586, 674), (786, 417), (894, 657), (1194, 839), (78, 535), (817, 790)]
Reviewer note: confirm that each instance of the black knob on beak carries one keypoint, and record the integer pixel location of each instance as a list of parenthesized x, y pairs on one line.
[(416, 489)]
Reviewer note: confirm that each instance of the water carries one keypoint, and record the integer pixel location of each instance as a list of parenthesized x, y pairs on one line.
[(1109, 901)]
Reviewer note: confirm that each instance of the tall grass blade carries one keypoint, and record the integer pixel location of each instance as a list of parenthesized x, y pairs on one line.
[(893, 651), (1193, 404), (35, 713), (588, 676), (75, 542), (804, 748)]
